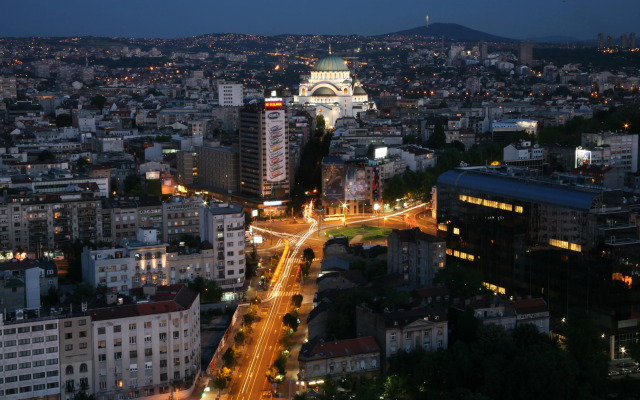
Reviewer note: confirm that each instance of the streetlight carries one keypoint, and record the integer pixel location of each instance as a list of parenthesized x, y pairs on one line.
[(623, 351)]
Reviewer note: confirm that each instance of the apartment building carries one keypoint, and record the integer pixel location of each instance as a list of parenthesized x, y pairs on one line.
[(150, 349), (534, 237), (223, 226), (416, 255), (356, 357), (31, 358), (230, 95), (180, 217), (37, 221), (406, 330), (122, 217), (76, 353), (120, 269)]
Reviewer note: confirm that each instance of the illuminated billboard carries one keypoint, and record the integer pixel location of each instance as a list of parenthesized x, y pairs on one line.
[(356, 183), (276, 146), (583, 157), (380, 152), (333, 182)]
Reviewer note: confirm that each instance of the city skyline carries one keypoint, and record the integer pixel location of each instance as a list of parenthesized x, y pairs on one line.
[(166, 19)]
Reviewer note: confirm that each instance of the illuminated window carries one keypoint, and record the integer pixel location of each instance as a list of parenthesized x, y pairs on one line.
[(456, 231)]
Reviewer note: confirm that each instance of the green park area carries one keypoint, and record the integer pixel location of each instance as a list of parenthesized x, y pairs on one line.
[(362, 233)]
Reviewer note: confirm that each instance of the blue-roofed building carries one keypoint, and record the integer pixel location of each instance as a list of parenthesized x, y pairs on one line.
[(572, 245)]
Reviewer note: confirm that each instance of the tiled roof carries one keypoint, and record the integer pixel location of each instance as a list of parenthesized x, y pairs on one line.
[(529, 306), (339, 348)]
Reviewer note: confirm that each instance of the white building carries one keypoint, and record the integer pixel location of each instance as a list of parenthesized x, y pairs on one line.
[(31, 364), (222, 225), (332, 92), (149, 349), (416, 158), (523, 154), (230, 94), (608, 148), (123, 268)]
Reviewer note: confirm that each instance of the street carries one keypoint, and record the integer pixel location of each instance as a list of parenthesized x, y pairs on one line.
[(249, 380)]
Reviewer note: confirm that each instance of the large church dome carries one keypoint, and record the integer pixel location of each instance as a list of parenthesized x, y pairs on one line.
[(330, 63)]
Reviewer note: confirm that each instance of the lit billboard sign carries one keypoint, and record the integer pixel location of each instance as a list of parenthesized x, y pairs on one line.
[(583, 157), (380, 152), (276, 146), (333, 182), (356, 187)]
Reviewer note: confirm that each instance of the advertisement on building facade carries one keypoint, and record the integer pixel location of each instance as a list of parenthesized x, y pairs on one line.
[(276, 148), (356, 183), (333, 182), (583, 157)]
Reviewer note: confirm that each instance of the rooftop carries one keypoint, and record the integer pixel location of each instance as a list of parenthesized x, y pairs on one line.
[(339, 348), (520, 188)]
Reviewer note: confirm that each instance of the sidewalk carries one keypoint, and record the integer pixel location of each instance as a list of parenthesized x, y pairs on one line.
[(287, 389)]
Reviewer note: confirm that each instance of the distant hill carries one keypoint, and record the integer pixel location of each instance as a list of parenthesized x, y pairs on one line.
[(452, 31)]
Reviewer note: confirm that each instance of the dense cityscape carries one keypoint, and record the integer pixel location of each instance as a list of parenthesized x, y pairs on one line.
[(434, 213)]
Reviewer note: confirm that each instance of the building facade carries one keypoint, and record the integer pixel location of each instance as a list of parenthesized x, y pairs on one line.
[(532, 237), (150, 349), (223, 226), (356, 357), (332, 92), (264, 151), (416, 255)]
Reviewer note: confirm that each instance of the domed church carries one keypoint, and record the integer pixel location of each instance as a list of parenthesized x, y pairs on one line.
[(332, 91)]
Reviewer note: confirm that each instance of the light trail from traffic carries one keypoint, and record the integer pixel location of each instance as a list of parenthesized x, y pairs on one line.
[(255, 379)]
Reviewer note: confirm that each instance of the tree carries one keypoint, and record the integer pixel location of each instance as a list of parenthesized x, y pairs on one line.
[(438, 138), (82, 291), (82, 395), (131, 183), (239, 338), (462, 282), (82, 162), (154, 187), (296, 299), (212, 292), (304, 269), (46, 156), (221, 379), (291, 321), (308, 254), (229, 357), (63, 120), (52, 298), (320, 125), (98, 101)]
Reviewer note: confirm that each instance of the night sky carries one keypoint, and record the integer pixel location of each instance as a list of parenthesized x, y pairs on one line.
[(519, 19)]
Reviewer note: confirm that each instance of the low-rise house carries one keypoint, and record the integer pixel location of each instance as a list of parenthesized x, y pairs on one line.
[(358, 357), (425, 327)]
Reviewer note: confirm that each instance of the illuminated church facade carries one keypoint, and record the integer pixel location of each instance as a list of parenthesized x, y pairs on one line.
[(332, 91)]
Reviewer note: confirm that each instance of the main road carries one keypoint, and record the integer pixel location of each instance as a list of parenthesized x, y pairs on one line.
[(250, 382)]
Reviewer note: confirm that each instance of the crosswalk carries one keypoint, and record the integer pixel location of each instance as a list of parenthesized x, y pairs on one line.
[(288, 293), (302, 259)]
